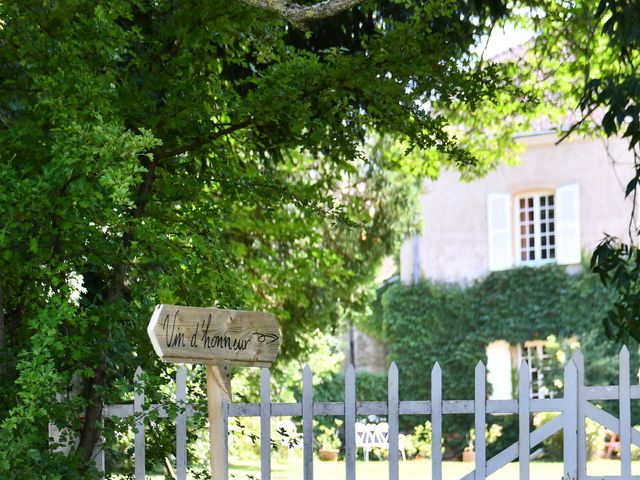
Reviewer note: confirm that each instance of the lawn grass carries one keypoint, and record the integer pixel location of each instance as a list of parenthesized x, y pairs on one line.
[(413, 470), (409, 470)]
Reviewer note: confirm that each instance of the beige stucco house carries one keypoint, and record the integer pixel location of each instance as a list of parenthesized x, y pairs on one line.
[(554, 207)]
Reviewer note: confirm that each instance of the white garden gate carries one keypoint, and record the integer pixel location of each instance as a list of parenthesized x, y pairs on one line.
[(573, 408)]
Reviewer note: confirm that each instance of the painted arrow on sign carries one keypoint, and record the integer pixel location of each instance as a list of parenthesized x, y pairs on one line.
[(214, 336)]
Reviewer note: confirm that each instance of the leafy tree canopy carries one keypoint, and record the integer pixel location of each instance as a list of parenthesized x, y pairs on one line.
[(204, 153)]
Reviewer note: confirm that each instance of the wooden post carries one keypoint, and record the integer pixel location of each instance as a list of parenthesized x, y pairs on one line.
[(265, 424), (218, 395), (217, 338), (181, 424)]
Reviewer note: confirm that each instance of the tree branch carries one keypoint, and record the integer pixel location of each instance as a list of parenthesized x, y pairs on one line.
[(300, 15), (90, 433), (575, 125), (161, 155)]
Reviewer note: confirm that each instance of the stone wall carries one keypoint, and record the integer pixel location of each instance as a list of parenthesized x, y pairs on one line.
[(368, 353)]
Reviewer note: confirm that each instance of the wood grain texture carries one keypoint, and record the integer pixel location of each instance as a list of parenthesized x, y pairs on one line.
[(217, 394), (213, 336)]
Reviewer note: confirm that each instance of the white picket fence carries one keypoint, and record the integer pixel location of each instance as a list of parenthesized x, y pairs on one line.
[(573, 408)]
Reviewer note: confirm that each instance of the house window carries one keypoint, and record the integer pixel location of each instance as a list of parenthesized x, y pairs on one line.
[(536, 232), (537, 357), (534, 228)]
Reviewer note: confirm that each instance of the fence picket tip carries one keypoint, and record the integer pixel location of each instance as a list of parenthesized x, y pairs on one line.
[(570, 366), (350, 370), (436, 368), (307, 369), (393, 368), (523, 371), (479, 366), (577, 355), (624, 351)]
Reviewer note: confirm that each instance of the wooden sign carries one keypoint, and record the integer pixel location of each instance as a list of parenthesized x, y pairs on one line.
[(213, 336)]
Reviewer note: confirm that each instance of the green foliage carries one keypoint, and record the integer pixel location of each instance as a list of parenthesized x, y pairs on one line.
[(205, 153), (429, 322), (594, 435), (328, 438), (369, 387), (618, 264), (425, 323), (244, 439), (418, 443)]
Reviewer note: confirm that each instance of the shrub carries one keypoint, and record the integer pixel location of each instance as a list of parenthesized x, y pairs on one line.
[(553, 446), (418, 444)]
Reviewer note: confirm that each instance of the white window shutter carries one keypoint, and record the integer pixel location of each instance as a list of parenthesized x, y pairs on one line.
[(415, 269), (499, 370), (499, 223), (406, 262), (568, 224)]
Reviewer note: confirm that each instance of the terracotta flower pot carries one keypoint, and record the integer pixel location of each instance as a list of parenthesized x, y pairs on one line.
[(328, 454)]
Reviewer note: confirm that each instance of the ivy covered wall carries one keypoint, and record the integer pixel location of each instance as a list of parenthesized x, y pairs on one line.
[(428, 322)]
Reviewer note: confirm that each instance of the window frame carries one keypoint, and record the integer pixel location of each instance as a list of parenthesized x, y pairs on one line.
[(536, 194), (537, 388)]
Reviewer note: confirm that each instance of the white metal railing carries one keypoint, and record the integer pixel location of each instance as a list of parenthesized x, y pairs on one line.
[(573, 408)]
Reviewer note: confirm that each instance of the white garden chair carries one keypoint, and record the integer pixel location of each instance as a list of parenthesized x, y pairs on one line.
[(369, 436)]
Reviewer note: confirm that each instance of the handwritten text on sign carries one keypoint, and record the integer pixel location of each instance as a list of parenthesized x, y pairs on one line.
[(214, 336)]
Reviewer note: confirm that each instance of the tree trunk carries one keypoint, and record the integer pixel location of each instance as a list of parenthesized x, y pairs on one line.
[(91, 428), (298, 14)]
